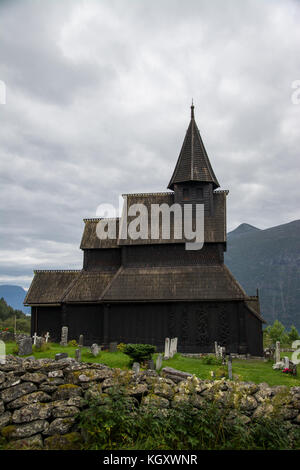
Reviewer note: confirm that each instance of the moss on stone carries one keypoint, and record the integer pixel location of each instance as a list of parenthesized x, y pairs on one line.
[(70, 441), (7, 431), (68, 386)]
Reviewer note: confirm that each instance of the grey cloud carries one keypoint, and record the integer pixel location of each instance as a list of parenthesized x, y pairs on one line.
[(98, 97)]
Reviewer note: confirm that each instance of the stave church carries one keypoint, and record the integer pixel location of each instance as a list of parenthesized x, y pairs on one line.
[(144, 290)]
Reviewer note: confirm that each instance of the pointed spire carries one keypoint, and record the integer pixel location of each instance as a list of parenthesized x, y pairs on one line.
[(192, 110), (193, 163)]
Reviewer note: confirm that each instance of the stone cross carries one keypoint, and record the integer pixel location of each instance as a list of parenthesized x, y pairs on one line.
[(230, 367), (35, 336), (167, 348), (64, 336), (277, 352), (136, 367), (78, 355), (47, 336), (159, 362)]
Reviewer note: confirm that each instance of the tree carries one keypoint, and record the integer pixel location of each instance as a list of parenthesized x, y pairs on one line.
[(277, 332), (293, 334)]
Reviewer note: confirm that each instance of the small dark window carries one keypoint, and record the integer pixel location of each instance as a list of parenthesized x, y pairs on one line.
[(199, 193), (185, 194)]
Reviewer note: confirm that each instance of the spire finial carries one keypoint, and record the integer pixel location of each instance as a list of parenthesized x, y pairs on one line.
[(192, 110)]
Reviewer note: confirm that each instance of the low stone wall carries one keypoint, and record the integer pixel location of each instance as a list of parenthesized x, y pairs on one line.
[(40, 399)]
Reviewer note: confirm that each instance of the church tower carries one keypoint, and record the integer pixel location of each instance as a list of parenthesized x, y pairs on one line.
[(193, 179)]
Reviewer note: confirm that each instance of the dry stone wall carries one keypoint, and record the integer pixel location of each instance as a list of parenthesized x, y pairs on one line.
[(40, 400)]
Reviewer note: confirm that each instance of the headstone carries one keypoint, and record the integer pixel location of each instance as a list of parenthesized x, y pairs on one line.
[(78, 355), (175, 345), (25, 346), (2, 352), (80, 342), (60, 356), (95, 349), (167, 348), (35, 336), (277, 352), (230, 367), (136, 367), (150, 364), (293, 368), (286, 362), (212, 373), (159, 362), (172, 348), (38, 342), (64, 336), (216, 349), (47, 336), (113, 346)]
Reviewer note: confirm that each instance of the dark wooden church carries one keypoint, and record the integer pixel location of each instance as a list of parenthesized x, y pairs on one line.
[(142, 291)]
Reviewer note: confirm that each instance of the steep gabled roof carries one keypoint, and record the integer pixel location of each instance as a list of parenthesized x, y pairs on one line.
[(193, 163)]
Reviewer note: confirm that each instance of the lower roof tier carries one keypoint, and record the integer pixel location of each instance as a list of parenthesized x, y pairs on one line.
[(182, 283)]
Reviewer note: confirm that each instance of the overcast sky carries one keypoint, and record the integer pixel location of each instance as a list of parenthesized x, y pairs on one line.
[(98, 98)]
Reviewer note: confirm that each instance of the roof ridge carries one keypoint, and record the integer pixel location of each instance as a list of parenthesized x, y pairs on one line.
[(57, 270)]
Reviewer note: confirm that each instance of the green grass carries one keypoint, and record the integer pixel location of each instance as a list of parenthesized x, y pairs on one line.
[(247, 370)]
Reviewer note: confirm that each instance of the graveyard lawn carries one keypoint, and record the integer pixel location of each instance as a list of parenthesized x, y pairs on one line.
[(246, 370)]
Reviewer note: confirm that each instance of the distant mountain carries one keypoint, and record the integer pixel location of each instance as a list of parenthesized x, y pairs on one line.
[(14, 296), (270, 261), (241, 230)]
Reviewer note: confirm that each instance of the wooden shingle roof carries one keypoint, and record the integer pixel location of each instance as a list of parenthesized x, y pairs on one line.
[(49, 287), (193, 163), (214, 225), (174, 283), (89, 286)]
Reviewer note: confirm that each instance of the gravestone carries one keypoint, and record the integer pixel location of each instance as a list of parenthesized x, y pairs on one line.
[(35, 336), (171, 354), (167, 348), (64, 336), (216, 349), (95, 349), (80, 342), (38, 342), (25, 346), (113, 346), (277, 352), (286, 362), (60, 356), (150, 364), (159, 362), (47, 336), (136, 367), (78, 355), (230, 367), (293, 368), (175, 345), (2, 352)]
